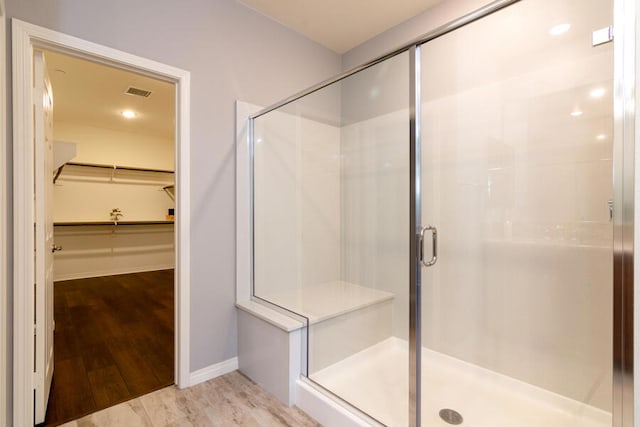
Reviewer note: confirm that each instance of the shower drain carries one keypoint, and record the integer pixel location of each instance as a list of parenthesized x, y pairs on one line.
[(450, 416)]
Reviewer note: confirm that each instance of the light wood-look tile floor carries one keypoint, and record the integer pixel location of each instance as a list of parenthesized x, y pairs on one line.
[(229, 400)]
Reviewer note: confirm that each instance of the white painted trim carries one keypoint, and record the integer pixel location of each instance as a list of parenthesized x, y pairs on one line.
[(183, 229), (4, 392), (23, 219), (26, 37), (213, 371)]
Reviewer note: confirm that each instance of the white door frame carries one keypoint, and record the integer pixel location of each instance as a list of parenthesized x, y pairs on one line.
[(4, 392), (26, 38)]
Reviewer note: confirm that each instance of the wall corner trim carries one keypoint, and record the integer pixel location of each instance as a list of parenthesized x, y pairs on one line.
[(213, 371)]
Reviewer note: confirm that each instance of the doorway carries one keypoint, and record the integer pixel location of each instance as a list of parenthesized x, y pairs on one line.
[(27, 40), (113, 207)]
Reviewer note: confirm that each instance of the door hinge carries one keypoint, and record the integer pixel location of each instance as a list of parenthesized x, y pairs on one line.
[(602, 36)]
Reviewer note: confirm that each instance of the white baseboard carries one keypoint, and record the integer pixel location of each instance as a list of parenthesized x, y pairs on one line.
[(213, 371), (87, 275)]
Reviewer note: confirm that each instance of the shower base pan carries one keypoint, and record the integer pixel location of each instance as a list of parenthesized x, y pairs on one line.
[(483, 398)]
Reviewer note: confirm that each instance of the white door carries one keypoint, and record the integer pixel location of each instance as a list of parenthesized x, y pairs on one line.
[(43, 123)]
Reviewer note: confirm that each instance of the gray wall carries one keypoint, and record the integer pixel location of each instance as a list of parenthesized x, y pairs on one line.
[(232, 53)]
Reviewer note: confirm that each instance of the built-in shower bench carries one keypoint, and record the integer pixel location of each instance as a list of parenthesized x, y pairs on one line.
[(342, 318)]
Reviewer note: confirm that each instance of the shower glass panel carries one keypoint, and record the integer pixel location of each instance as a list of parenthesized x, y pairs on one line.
[(296, 181), (331, 231), (516, 177)]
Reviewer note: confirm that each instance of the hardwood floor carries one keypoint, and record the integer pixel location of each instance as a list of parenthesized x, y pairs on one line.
[(114, 341)]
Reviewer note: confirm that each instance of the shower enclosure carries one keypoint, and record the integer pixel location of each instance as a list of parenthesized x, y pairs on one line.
[(443, 218)]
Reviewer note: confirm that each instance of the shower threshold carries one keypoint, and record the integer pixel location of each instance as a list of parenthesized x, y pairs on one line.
[(483, 398)]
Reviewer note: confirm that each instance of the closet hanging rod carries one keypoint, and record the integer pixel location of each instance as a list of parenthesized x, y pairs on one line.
[(128, 168)]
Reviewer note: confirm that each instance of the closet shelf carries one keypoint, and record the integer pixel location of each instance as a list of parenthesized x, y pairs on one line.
[(115, 173), (80, 223), (116, 167)]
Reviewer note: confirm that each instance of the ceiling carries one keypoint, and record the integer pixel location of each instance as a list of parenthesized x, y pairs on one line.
[(94, 94), (340, 25)]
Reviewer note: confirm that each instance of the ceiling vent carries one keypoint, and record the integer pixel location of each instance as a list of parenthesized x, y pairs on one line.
[(137, 92)]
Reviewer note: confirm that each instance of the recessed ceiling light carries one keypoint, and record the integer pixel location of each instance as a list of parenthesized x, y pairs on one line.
[(576, 113), (597, 92), (601, 137), (556, 30), (128, 114)]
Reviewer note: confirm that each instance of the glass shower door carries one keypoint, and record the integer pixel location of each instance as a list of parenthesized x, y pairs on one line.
[(517, 179), (359, 350)]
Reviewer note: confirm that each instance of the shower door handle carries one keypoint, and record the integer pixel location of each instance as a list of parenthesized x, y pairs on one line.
[(434, 246)]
